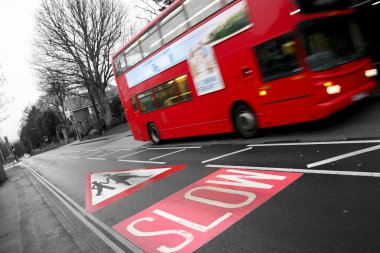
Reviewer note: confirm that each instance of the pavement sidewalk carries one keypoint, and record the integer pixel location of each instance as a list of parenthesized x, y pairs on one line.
[(29, 221)]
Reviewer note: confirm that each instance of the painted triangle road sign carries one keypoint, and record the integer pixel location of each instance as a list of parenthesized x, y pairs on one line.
[(104, 188)]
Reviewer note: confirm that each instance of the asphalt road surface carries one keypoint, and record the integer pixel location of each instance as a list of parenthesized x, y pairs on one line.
[(304, 188)]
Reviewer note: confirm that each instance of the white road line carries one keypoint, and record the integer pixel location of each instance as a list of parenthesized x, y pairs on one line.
[(78, 154), (216, 158), (314, 143), (70, 153), (112, 152), (136, 161), (305, 171), (194, 147), (166, 154), (131, 154), (65, 199), (94, 152), (340, 157)]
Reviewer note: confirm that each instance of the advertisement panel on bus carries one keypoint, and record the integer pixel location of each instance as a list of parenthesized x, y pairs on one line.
[(197, 49)]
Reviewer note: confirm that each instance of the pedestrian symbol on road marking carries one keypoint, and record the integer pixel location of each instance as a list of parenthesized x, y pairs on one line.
[(100, 186), (103, 188), (122, 178)]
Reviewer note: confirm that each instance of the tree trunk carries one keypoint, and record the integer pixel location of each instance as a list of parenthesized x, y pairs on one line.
[(3, 176), (57, 135), (106, 109), (65, 135), (103, 106), (92, 95)]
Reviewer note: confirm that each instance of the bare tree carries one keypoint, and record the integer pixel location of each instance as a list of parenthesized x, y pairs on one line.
[(56, 89), (3, 99), (76, 39), (149, 9)]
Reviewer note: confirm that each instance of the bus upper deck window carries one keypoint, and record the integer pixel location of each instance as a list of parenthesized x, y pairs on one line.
[(173, 25), (198, 10), (120, 64), (150, 42), (229, 1), (133, 54)]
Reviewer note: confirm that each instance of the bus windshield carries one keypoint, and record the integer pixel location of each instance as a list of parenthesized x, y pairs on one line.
[(331, 42)]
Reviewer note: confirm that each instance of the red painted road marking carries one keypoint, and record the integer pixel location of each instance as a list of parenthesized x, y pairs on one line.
[(188, 219), (104, 188)]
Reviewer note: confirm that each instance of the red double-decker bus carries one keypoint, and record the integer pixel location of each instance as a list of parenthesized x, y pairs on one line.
[(216, 66)]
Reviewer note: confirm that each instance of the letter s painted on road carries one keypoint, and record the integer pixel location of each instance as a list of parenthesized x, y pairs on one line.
[(188, 236)]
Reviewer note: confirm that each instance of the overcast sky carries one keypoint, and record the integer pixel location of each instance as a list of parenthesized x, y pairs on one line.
[(16, 36), (16, 29)]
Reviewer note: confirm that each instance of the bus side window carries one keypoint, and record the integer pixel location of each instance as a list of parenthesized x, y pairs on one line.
[(133, 54), (166, 94), (120, 64), (134, 104), (150, 41), (277, 58), (173, 25), (183, 88), (146, 101), (228, 1), (198, 10)]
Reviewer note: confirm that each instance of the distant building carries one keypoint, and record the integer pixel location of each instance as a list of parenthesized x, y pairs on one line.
[(81, 110)]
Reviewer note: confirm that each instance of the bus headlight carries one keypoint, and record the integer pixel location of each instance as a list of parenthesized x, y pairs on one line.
[(334, 89), (371, 72)]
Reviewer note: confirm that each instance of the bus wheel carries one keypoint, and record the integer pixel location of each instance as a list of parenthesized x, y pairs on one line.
[(245, 121), (154, 134)]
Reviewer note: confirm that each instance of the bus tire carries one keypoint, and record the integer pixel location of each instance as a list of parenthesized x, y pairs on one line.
[(154, 134), (245, 121)]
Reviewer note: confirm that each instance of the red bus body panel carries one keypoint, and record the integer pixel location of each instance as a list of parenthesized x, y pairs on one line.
[(297, 98)]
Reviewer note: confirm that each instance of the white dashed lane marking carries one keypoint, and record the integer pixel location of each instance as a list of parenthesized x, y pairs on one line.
[(305, 171), (225, 155), (340, 157), (154, 158)]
